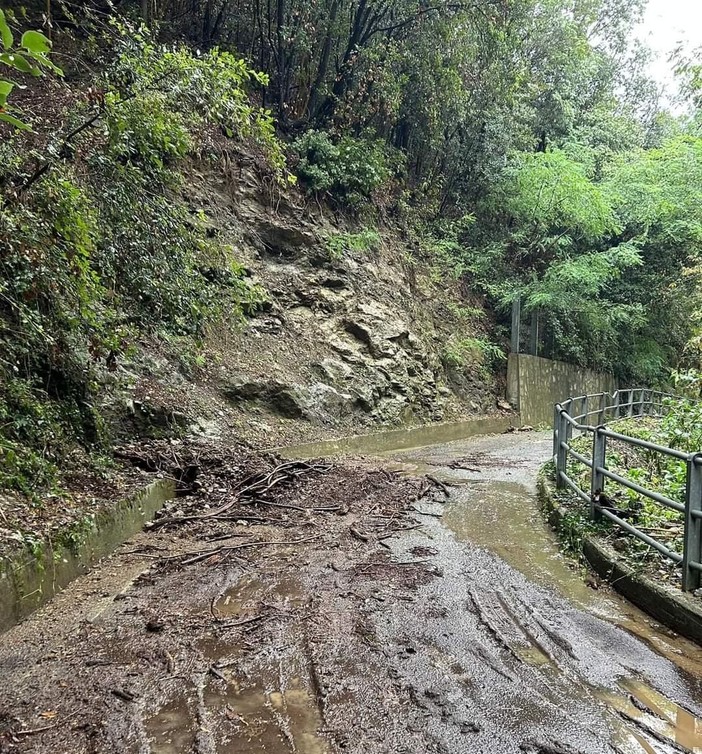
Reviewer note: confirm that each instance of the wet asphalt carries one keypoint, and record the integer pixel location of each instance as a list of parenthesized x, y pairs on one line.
[(526, 657)]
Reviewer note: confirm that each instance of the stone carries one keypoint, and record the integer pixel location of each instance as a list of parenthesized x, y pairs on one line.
[(318, 403), (325, 404), (333, 370), (283, 241), (285, 400)]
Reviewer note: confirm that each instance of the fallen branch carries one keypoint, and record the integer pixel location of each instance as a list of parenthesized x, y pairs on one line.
[(441, 485), (212, 669), (196, 557), (32, 731), (322, 509), (358, 535)]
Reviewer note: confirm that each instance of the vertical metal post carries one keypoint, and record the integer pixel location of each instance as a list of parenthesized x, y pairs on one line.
[(556, 417), (516, 323), (597, 479), (584, 410), (692, 547), (534, 334), (630, 404), (641, 402), (615, 400), (562, 454), (603, 404)]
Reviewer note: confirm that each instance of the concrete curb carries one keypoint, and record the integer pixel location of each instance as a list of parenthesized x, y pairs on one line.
[(27, 581), (674, 609)]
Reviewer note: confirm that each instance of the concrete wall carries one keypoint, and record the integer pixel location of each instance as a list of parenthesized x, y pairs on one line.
[(534, 385), (28, 580)]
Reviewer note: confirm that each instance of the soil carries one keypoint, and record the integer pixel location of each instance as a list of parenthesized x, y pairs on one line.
[(223, 608), (323, 607)]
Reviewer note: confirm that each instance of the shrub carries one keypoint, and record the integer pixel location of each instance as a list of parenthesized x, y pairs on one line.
[(460, 352), (349, 169), (361, 243)]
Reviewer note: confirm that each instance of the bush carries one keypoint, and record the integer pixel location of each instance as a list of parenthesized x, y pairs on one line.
[(348, 169), (104, 247), (460, 352), (359, 243)]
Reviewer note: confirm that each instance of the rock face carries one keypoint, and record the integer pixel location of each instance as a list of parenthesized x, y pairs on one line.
[(344, 341), (317, 402)]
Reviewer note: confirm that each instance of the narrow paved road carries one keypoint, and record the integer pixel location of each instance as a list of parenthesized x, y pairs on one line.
[(361, 630), (578, 669)]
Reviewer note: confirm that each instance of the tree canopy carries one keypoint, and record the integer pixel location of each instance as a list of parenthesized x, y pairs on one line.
[(521, 140)]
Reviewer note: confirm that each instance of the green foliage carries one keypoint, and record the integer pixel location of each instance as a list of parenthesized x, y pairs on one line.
[(36, 433), (179, 90), (466, 314), (349, 169), (349, 243), (31, 56), (104, 247), (552, 203), (461, 352), (73, 536), (146, 130)]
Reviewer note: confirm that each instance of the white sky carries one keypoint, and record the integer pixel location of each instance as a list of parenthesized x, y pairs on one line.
[(667, 23)]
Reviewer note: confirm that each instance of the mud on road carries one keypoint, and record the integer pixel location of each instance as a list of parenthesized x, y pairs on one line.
[(313, 607)]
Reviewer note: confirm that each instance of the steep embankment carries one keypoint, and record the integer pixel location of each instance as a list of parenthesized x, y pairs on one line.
[(354, 333), (164, 277)]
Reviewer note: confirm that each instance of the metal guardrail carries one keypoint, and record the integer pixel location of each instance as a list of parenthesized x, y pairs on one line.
[(574, 414)]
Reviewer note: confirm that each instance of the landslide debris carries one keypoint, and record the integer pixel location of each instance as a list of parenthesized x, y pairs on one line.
[(222, 642)]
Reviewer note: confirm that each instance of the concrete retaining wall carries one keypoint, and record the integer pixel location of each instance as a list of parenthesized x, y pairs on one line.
[(534, 385), (27, 581)]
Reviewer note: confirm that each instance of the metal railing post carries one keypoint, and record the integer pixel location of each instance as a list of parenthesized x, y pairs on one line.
[(516, 323), (556, 417), (603, 404), (692, 546), (615, 401), (562, 453), (597, 479)]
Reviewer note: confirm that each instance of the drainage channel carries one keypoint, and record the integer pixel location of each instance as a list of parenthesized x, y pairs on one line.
[(546, 638)]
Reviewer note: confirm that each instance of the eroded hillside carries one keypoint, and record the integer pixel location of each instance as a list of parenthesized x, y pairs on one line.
[(352, 333)]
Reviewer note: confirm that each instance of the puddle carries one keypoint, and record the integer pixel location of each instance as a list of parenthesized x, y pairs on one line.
[(172, 729), (260, 718), (532, 655), (687, 728), (656, 713), (399, 439), (246, 598), (503, 518), (628, 741)]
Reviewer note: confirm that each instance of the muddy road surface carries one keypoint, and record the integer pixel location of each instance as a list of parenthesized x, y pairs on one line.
[(413, 602)]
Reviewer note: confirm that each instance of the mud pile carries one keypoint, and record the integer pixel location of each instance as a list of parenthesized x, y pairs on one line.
[(221, 642)]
